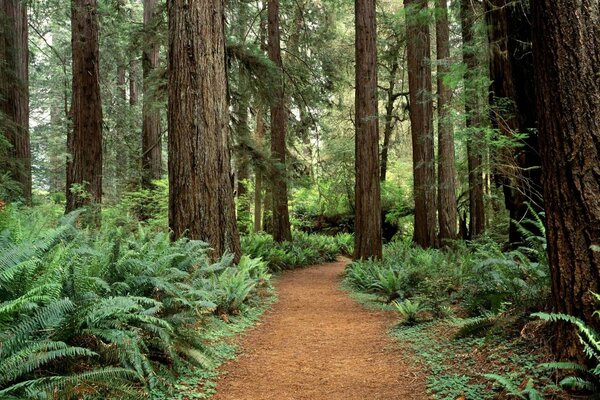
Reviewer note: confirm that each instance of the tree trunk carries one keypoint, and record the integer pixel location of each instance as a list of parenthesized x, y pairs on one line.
[(14, 90), (473, 121), (447, 206), (242, 105), (389, 119), (151, 135), (133, 83), (201, 204), (281, 218), (566, 46), (421, 123), (258, 178), (84, 144), (367, 192), (512, 99)]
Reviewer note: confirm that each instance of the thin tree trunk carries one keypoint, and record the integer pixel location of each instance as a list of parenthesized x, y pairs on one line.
[(201, 204), (447, 206), (367, 192), (14, 89), (281, 218), (389, 119), (133, 83), (242, 105), (473, 121), (421, 123), (258, 179), (84, 144), (566, 46), (151, 137)]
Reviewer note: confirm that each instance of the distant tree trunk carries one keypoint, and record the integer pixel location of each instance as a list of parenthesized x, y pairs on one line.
[(566, 49), (258, 178), (447, 206), (120, 159), (84, 144), (243, 131), (151, 135), (512, 99), (473, 121), (367, 228), (201, 204), (133, 83), (389, 119), (421, 123), (14, 89), (281, 218)]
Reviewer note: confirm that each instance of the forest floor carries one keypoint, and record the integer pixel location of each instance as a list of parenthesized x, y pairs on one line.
[(316, 343)]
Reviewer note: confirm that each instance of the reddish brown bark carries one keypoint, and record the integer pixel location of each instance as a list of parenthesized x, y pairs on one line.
[(473, 121), (201, 204), (367, 192), (421, 122), (258, 178), (512, 101), (566, 45), (151, 135), (84, 144), (447, 206), (14, 90), (281, 217)]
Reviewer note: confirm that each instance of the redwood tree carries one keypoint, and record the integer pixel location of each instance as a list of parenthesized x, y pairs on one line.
[(281, 216), (421, 121), (84, 142), (14, 90), (447, 211), (473, 122), (367, 226), (201, 204), (512, 101), (151, 135), (566, 46)]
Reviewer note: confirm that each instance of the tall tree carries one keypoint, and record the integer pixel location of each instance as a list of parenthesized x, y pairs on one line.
[(566, 46), (281, 216), (201, 204), (367, 241), (14, 90), (513, 110), (258, 174), (447, 207), (473, 122), (84, 142), (421, 121), (151, 135)]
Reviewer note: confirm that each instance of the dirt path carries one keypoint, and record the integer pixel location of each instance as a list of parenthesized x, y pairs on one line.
[(316, 343)]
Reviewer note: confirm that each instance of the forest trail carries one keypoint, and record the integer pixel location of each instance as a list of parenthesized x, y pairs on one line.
[(316, 344)]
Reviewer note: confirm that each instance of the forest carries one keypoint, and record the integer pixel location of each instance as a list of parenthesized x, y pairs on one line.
[(299, 199)]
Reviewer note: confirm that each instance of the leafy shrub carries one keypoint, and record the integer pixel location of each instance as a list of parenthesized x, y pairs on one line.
[(409, 310), (305, 249)]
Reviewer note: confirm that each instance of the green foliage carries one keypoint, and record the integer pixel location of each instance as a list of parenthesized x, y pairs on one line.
[(305, 249), (110, 313), (528, 392), (587, 380), (409, 310)]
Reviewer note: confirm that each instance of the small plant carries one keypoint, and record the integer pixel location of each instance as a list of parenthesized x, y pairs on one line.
[(409, 310), (526, 391), (584, 379)]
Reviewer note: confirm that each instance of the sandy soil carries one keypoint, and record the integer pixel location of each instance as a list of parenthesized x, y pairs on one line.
[(316, 343)]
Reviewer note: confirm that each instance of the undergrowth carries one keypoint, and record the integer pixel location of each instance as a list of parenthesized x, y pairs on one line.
[(109, 313)]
